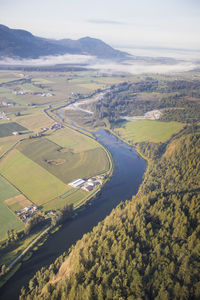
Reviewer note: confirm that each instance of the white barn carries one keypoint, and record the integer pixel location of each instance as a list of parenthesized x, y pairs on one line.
[(77, 183)]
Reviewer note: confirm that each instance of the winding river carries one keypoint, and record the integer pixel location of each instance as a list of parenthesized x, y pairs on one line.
[(127, 176)]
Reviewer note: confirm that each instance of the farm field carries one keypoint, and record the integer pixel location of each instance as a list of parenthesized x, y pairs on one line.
[(7, 142), (148, 130), (73, 140), (94, 82), (36, 183), (17, 202), (8, 220), (6, 129), (73, 198), (35, 120), (63, 163)]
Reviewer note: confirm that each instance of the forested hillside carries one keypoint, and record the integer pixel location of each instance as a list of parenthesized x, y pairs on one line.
[(148, 248), (177, 99)]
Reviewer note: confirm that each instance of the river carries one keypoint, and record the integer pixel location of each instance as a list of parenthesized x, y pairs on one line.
[(126, 179)]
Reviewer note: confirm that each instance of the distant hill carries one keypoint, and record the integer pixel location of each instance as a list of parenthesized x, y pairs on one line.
[(22, 44)]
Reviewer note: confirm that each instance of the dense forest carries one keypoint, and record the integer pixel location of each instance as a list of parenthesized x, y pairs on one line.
[(178, 100), (148, 248)]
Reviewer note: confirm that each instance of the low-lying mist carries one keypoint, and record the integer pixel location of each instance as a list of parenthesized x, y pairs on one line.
[(137, 65), (49, 60), (142, 67)]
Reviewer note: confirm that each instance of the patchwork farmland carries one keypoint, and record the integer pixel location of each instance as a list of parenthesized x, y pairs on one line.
[(39, 170), (36, 162)]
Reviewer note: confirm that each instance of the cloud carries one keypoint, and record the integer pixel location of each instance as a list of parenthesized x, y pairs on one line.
[(107, 22)]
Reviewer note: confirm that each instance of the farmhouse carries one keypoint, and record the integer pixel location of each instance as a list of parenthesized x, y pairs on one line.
[(56, 126), (77, 183), (26, 212)]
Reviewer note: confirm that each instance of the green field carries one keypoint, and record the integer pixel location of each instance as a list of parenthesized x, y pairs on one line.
[(36, 183), (147, 130), (63, 163), (73, 140), (7, 219), (73, 198), (6, 129)]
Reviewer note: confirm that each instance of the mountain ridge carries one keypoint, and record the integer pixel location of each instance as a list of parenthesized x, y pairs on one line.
[(19, 43)]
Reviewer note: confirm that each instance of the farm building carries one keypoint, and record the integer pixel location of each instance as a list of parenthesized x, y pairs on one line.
[(77, 183), (87, 188)]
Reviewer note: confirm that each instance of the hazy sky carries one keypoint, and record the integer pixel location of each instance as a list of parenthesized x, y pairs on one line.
[(121, 23)]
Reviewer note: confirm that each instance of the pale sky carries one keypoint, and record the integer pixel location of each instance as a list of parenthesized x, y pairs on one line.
[(120, 23)]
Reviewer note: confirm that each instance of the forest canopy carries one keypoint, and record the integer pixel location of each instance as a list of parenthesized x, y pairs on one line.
[(148, 248)]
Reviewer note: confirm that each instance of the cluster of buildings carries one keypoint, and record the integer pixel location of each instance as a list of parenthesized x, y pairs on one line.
[(20, 92), (26, 213), (87, 185), (46, 95), (6, 104), (3, 116)]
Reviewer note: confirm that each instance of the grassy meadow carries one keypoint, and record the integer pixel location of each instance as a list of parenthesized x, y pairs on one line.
[(148, 130)]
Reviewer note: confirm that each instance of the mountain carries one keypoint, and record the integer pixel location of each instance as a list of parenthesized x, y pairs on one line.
[(23, 44)]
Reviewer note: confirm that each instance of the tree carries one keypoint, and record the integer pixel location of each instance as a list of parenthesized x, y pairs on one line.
[(3, 269), (53, 221)]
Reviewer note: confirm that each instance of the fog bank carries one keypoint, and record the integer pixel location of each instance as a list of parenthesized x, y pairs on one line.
[(135, 66)]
